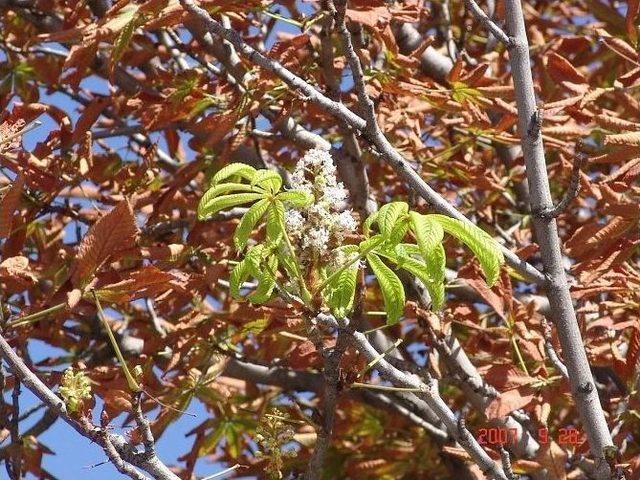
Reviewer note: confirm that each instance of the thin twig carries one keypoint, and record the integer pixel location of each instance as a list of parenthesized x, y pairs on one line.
[(571, 193), (16, 443), (488, 23), (143, 425), (506, 464), (551, 351)]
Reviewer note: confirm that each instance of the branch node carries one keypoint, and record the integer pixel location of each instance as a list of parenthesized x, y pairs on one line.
[(572, 191), (535, 125)]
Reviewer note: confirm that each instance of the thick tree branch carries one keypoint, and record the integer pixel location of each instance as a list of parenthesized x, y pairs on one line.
[(562, 311), (331, 392)]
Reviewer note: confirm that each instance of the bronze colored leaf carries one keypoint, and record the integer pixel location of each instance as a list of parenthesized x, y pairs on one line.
[(115, 231)]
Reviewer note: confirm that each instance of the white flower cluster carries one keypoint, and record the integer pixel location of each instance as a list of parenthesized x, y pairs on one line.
[(321, 226)]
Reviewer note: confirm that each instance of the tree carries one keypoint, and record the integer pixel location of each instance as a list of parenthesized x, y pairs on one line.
[(333, 226)]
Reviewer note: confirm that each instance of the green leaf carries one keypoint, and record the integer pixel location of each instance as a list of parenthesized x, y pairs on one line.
[(389, 215), (297, 198), (128, 15), (239, 169), (266, 281), (275, 222), (369, 244), (223, 189), (340, 292), (255, 327), (286, 260), (436, 262), (428, 232), (481, 244), (429, 272), (391, 287), (248, 223), (247, 267), (366, 226), (462, 93), (267, 179), (208, 209)]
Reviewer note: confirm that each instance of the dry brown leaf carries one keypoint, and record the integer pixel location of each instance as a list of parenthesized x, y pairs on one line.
[(632, 138), (561, 69), (115, 231), (8, 204)]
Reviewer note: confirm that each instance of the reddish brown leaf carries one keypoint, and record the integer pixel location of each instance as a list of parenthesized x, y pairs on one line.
[(146, 282), (509, 401), (561, 69), (553, 457), (8, 204), (16, 268), (633, 352), (632, 138), (89, 115), (115, 231)]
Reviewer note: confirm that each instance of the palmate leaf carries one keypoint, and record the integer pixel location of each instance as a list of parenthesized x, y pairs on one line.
[(297, 198), (391, 287), (129, 16), (268, 180), (249, 266), (340, 292), (481, 244), (248, 223), (258, 263), (429, 271), (275, 222), (266, 281), (369, 222), (213, 206), (241, 170), (223, 189)]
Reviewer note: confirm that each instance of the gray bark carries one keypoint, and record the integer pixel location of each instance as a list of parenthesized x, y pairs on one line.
[(582, 384)]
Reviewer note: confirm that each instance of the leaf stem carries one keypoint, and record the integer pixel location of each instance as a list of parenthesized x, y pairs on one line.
[(304, 291), (519, 354), (379, 357), (339, 271), (34, 317), (384, 387), (133, 385)]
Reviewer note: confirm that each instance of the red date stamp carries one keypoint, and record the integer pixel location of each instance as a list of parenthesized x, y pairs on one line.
[(503, 436)]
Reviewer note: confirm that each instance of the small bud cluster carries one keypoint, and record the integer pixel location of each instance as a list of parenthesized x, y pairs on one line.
[(272, 433), (74, 388), (323, 225)]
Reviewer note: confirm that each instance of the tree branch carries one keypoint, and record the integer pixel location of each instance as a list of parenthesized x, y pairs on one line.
[(427, 391), (332, 382), (149, 463), (563, 313)]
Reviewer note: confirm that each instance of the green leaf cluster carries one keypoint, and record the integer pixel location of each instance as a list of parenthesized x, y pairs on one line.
[(240, 184), (423, 256), (396, 238)]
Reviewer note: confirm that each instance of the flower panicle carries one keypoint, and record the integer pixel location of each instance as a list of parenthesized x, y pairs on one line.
[(323, 225)]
